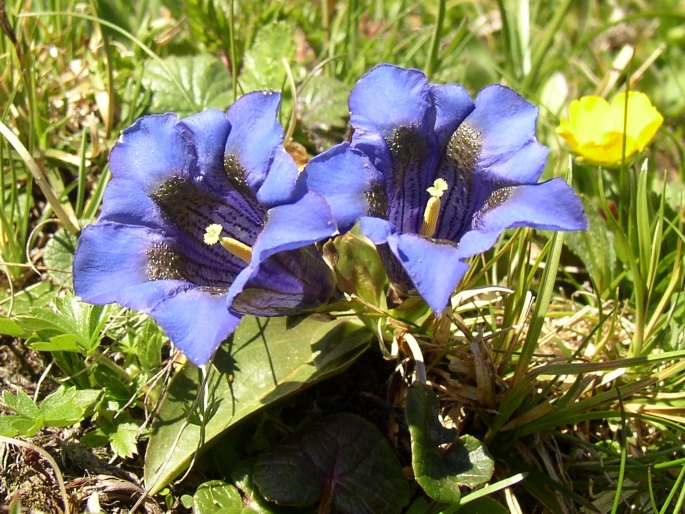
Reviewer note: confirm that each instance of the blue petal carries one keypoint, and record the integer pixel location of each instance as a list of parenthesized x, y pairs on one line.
[(393, 117), (255, 143), (388, 97), (551, 205), (351, 185), (452, 104), (376, 229), (152, 151), (434, 268), (196, 321), (283, 183), (287, 283), (208, 131), (124, 202), (293, 226), (505, 122), (111, 264)]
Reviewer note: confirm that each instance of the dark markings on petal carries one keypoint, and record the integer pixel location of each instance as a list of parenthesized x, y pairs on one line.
[(464, 148), (191, 210), (236, 175), (496, 198), (164, 263), (188, 210), (377, 201), (408, 149), (167, 262), (458, 167), (288, 283), (396, 273)]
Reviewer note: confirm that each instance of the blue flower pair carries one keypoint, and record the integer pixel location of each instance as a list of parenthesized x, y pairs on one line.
[(208, 218)]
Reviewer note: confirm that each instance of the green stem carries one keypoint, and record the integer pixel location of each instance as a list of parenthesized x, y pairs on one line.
[(432, 62), (231, 45), (541, 306), (66, 216), (539, 55), (625, 248)]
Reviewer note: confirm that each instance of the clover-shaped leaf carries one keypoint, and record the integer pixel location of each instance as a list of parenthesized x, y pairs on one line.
[(441, 460), (342, 462)]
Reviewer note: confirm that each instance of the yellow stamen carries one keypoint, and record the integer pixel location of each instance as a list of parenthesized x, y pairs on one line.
[(430, 215), (235, 247), (212, 234)]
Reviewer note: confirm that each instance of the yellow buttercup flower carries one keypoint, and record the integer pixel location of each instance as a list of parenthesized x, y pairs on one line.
[(594, 128)]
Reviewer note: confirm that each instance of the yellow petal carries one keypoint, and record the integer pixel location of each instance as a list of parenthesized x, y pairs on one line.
[(643, 118), (606, 151), (595, 128)]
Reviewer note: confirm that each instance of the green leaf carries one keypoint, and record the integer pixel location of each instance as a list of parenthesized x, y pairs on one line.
[(341, 461), (116, 388), (594, 247), (72, 325), (67, 406), (359, 268), (442, 461), (59, 256), (61, 343), (265, 360), (11, 426), (254, 502), (31, 297), (263, 63), (120, 433), (59, 408), (323, 103), (483, 506), (204, 78), (217, 497), (45, 323), (123, 439), (11, 328), (149, 345), (21, 403)]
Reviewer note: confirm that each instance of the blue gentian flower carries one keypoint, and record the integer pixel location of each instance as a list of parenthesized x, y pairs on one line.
[(435, 178), (180, 186)]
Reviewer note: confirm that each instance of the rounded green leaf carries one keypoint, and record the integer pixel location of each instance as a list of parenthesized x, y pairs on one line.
[(442, 461), (341, 461), (217, 497)]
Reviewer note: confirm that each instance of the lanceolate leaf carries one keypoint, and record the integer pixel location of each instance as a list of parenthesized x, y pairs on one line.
[(441, 460), (265, 360)]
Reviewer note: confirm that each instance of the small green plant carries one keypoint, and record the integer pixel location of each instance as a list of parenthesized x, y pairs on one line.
[(63, 407), (553, 379)]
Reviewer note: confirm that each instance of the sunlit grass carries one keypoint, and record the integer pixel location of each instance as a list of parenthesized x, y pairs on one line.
[(571, 374)]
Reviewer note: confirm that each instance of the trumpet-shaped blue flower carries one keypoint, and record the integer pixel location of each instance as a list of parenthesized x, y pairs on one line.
[(181, 187), (434, 177)]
